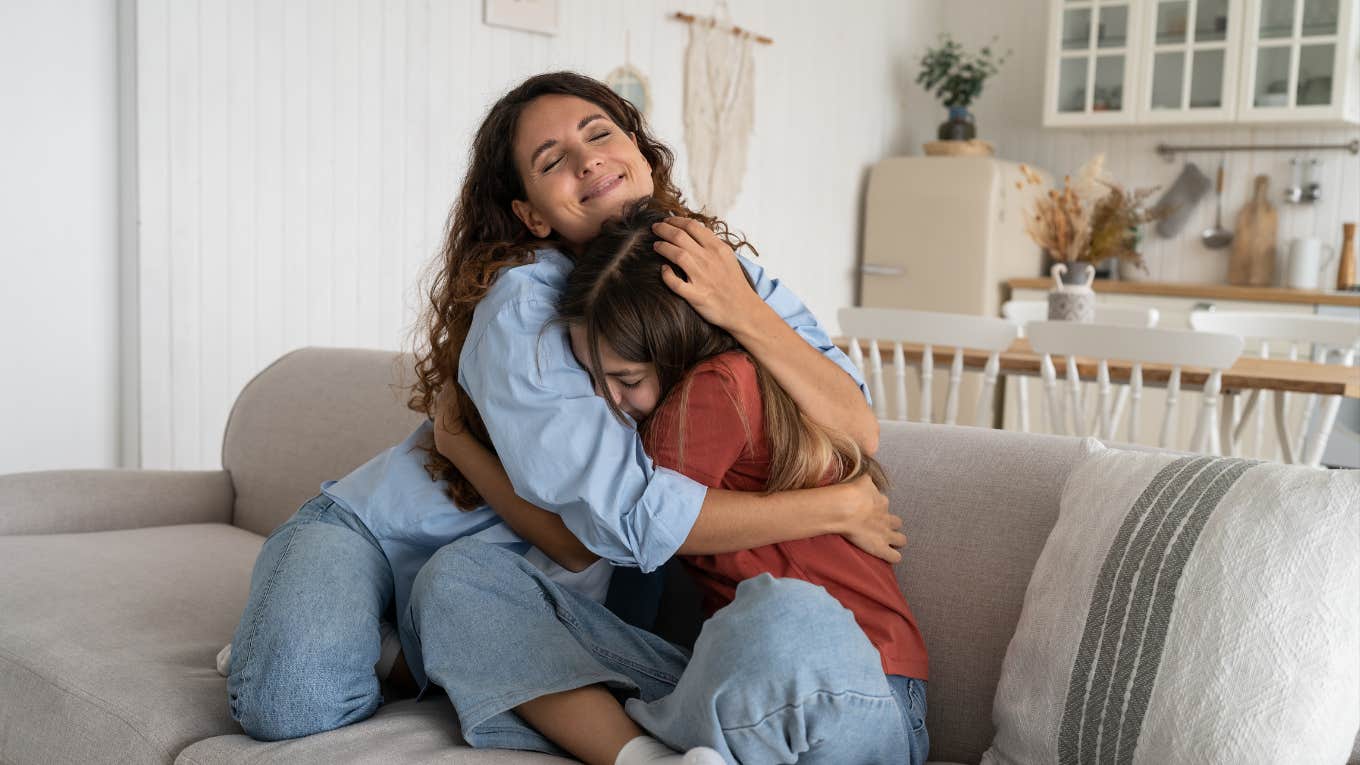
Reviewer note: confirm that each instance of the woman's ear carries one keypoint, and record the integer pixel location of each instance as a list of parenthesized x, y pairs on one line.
[(530, 218)]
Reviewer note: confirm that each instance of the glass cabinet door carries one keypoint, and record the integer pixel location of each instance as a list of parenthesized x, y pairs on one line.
[(1292, 62), (1191, 72), (1091, 80)]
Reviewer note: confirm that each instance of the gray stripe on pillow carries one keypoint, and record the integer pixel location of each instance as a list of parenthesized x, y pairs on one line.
[(1149, 657), (1132, 599), (1169, 481), (1121, 647)]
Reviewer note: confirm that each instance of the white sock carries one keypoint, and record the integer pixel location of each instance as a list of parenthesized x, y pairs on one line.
[(645, 750)]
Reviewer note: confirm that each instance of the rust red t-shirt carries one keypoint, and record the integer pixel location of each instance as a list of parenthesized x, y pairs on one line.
[(715, 435)]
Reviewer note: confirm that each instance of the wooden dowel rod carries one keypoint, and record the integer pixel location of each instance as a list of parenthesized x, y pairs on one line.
[(736, 30)]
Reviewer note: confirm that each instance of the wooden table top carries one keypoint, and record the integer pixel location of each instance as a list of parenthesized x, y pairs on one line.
[(1204, 291), (1249, 373)]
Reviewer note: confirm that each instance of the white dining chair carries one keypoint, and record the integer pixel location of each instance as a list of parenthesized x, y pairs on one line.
[(1139, 345), (1321, 339), (932, 330), (1024, 311)]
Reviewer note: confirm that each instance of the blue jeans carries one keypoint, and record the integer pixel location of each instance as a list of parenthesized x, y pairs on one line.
[(303, 655), (783, 674)]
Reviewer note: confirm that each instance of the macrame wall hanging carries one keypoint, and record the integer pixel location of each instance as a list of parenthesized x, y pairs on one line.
[(719, 107)]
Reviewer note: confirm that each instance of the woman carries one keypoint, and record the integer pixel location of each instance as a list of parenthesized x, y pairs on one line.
[(554, 158), (785, 670)]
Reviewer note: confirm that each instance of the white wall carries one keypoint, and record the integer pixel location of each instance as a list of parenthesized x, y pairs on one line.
[(296, 162), (58, 235), (1010, 115)]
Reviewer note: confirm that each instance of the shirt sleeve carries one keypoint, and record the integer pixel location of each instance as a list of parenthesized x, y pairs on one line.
[(705, 438), (563, 449), (797, 316)]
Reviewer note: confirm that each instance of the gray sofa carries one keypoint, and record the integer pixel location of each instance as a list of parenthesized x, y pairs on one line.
[(117, 588)]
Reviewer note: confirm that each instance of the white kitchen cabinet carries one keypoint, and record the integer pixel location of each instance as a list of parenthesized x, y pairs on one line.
[(1132, 62), (1092, 63), (1191, 72), (1300, 61)]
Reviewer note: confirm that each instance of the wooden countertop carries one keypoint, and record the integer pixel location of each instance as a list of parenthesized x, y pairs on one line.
[(1205, 291)]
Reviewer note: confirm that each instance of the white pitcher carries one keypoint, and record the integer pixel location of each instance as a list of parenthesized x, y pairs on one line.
[(1306, 262)]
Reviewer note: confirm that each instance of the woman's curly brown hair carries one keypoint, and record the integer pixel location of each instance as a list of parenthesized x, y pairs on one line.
[(484, 236)]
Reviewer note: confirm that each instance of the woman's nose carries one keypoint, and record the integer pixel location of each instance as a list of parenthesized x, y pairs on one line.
[(590, 161)]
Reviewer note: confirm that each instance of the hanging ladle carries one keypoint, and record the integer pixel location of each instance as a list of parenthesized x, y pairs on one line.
[(1217, 237)]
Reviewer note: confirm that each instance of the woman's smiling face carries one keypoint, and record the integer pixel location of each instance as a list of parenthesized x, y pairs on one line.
[(578, 168)]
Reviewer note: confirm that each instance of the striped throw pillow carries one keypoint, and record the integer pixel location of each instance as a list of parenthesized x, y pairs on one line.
[(1189, 610)]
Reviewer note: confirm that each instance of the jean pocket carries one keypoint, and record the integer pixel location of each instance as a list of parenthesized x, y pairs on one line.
[(916, 698)]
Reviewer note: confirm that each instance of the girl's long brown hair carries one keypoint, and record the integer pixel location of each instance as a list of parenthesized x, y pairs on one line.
[(616, 295), (483, 237)]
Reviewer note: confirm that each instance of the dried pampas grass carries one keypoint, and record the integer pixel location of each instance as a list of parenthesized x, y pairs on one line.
[(1090, 219)]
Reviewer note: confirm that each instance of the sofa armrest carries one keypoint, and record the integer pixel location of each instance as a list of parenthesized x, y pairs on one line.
[(64, 501)]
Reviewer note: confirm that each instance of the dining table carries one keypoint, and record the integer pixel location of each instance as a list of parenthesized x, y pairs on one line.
[(1248, 375)]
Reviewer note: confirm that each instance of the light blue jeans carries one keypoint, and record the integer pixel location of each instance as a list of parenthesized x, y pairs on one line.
[(303, 655), (783, 674)]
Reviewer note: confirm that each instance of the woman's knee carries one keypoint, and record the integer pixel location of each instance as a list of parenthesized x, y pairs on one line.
[(286, 700)]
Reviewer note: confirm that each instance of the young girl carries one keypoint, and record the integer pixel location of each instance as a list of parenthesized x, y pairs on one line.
[(832, 673)]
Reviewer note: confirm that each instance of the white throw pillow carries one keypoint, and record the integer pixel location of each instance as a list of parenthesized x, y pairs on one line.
[(1189, 610)]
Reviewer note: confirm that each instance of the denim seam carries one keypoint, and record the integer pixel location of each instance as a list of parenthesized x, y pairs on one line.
[(569, 621), (249, 642), (804, 701)]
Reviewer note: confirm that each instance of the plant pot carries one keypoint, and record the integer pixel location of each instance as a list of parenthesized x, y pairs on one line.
[(959, 126), (1071, 298)]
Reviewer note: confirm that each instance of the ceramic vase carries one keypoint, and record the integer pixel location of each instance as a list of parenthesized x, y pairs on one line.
[(1071, 298)]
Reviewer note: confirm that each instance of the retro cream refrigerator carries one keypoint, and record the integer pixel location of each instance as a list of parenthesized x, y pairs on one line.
[(944, 234)]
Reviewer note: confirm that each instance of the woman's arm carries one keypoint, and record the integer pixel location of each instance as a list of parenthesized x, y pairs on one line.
[(719, 291), (542, 529), (737, 520)]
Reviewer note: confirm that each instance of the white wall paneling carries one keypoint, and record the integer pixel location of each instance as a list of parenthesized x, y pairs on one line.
[(296, 161), (1010, 110), (59, 312)]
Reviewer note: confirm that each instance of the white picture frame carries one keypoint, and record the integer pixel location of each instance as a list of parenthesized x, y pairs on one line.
[(537, 16)]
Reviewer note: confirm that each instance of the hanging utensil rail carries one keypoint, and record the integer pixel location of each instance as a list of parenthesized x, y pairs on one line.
[(1168, 152)]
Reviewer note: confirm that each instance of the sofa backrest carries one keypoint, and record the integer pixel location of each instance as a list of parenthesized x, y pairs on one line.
[(314, 415), (977, 506)]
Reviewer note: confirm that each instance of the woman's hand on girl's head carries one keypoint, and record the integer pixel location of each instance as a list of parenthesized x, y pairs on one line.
[(717, 286), (870, 524)]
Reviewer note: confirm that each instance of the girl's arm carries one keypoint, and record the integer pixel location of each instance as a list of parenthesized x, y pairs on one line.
[(721, 294), (540, 528)]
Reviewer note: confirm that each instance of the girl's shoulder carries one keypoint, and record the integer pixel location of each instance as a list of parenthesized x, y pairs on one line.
[(733, 371)]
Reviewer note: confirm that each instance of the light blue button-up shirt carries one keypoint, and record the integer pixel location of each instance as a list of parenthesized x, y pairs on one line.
[(562, 448)]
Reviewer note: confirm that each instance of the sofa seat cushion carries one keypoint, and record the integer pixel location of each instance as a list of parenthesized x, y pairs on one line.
[(405, 731), (107, 640)]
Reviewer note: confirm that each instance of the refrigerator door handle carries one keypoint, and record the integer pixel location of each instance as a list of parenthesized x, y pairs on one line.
[(874, 269)]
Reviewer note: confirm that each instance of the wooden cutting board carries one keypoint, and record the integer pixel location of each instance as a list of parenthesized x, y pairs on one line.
[(1253, 247)]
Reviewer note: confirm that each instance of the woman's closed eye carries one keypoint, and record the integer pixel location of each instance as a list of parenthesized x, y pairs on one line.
[(630, 384), (558, 160)]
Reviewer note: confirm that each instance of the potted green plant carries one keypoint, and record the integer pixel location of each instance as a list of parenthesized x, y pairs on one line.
[(956, 78)]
